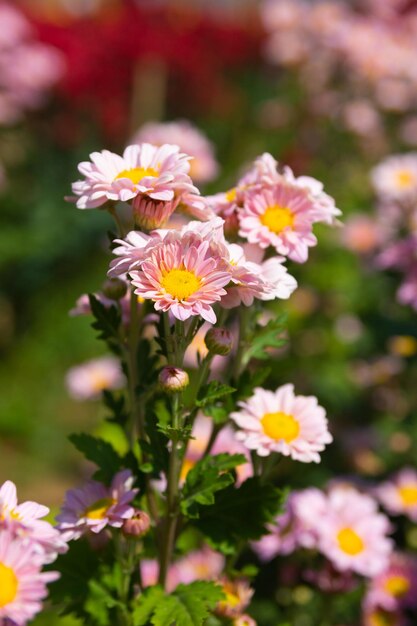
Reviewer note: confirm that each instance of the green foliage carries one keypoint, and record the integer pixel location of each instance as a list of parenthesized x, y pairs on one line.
[(212, 392), (99, 452), (188, 605), (239, 514), (210, 475), (103, 595), (265, 338), (116, 404), (107, 322)]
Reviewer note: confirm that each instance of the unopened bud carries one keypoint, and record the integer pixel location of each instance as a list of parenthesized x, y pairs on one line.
[(219, 341), (137, 526), (173, 379), (114, 288)]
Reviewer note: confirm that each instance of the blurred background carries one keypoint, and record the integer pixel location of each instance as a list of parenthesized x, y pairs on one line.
[(328, 88)]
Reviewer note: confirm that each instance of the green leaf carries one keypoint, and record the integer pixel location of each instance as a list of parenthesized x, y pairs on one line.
[(107, 323), (99, 452), (211, 392), (188, 605), (117, 406), (264, 338), (239, 514), (208, 476)]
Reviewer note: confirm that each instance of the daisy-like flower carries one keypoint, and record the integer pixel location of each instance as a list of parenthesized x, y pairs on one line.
[(25, 521), (203, 564), (238, 594), (399, 495), (281, 217), (395, 587), (280, 421), (22, 584), (183, 275), (353, 534), (160, 173), (87, 381), (95, 506), (203, 166), (396, 177), (296, 527)]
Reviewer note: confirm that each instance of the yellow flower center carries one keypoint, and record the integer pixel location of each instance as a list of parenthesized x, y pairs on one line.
[(99, 381), (231, 194), (397, 585), (408, 495), (277, 218), (180, 283), (350, 542), (405, 178), (382, 618), (8, 585), (137, 173), (232, 599), (98, 510), (280, 426)]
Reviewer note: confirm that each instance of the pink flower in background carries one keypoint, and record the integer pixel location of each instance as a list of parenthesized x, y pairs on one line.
[(407, 292), (87, 381), (25, 521), (184, 275), (352, 534), (203, 166), (296, 527), (22, 584), (280, 217), (363, 233), (95, 506), (399, 494), (396, 177), (160, 173), (238, 594), (380, 617), (395, 587), (282, 422)]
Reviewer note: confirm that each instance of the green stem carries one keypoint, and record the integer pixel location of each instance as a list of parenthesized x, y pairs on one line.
[(120, 227), (238, 362)]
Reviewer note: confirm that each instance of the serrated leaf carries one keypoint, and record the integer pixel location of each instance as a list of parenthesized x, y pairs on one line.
[(239, 514), (212, 392), (187, 605), (209, 475), (99, 452), (264, 338), (117, 406), (107, 322)]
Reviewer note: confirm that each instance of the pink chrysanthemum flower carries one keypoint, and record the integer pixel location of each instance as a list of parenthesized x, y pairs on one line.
[(399, 495), (395, 587), (25, 521), (396, 177), (281, 217), (183, 275), (22, 584), (296, 527), (87, 381), (251, 280), (203, 166), (238, 594), (378, 616), (352, 534), (244, 620), (158, 173), (324, 208), (280, 421), (129, 253), (95, 506)]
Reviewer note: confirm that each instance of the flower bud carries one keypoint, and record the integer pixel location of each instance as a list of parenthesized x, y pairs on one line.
[(137, 526), (219, 341), (114, 288), (173, 379), (150, 214)]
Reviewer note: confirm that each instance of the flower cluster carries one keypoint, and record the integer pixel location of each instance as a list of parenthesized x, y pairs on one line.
[(342, 524), (27, 543), (28, 68)]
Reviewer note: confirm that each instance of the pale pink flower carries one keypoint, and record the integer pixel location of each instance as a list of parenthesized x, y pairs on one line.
[(396, 177), (183, 275), (22, 584), (362, 233), (203, 564), (281, 217), (353, 534), (399, 494), (324, 208), (150, 214), (296, 527), (378, 616), (95, 506), (203, 166), (244, 620), (129, 253), (158, 173), (282, 422), (88, 380), (25, 521), (238, 594), (395, 587), (407, 292)]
